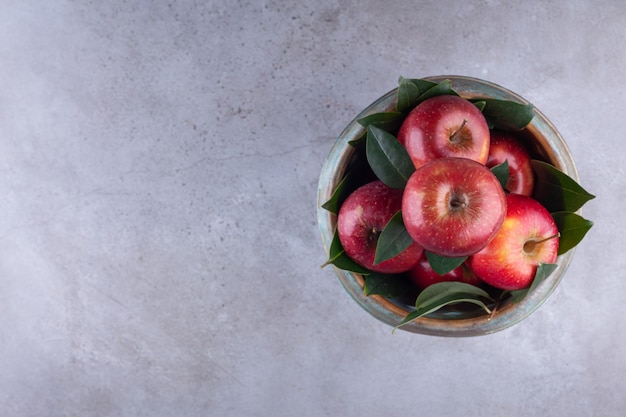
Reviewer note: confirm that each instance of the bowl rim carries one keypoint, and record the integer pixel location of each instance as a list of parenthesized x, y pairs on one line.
[(392, 313)]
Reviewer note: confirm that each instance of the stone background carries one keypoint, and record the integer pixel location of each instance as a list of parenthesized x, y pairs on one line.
[(159, 253)]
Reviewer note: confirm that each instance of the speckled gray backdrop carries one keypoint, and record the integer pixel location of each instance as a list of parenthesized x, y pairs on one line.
[(159, 254)]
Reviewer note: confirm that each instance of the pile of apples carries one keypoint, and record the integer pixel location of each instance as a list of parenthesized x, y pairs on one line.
[(466, 202)]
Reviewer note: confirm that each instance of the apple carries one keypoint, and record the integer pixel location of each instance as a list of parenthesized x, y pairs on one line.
[(453, 206), (422, 274), (445, 126), (506, 147), (527, 238), (362, 217)]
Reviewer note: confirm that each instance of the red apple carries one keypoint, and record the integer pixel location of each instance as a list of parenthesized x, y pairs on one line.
[(423, 275), (527, 238), (453, 206), (506, 147), (361, 219), (445, 126)]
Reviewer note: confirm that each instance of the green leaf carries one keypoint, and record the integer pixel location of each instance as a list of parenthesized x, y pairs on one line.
[(412, 91), (338, 196), (387, 121), (422, 85), (387, 158), (443, 264), (501, 171), (441, 294), (359, 142), (480, 104), (393, 240), (408, 93), (543, 271), (572, 228), (444, 291), (556, 190), (386, 285), (506, 114), (443, 88), (337, 256)]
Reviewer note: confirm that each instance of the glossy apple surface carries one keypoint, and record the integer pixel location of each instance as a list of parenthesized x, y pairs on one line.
[(422, 275), (506, 147), (453, 206), (527, 238), (445, 126), (361, 219)]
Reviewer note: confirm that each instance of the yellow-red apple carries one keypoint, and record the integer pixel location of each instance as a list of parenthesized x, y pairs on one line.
[(528, 237)]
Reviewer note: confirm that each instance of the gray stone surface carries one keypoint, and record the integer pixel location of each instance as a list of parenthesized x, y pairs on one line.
[(159, 254)]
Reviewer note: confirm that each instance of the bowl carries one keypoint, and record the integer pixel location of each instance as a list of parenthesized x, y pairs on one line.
[(546, 144)]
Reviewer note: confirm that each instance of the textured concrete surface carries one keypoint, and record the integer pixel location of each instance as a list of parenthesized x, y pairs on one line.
[(159, 254)]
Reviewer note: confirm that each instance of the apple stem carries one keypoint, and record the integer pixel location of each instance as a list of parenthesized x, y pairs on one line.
[(532, 244), (455, 136)]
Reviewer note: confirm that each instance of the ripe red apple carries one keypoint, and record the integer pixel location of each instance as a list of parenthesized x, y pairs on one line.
[(506, 147), (453, 206), (422, 275), (527, 237), (445, 126), (362, 217)]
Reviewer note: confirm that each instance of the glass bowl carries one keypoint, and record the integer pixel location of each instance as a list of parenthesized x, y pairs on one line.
[(545, 142)]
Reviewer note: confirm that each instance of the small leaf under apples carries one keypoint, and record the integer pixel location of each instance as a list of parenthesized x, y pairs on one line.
[(441, 294), (543, 271), (358, 172), (337, 256), (501, 171), (572, 228), (408, 93), (436, 293), (421, 84), (359, 142), (387, 121), (443, 264), (338, 196), (412, 92), (480, 104), (387, 157), (440, 89), (556, 190), (393, 240), (386, 285), (506, 114)]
